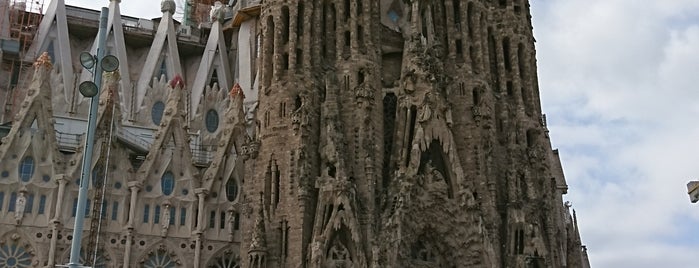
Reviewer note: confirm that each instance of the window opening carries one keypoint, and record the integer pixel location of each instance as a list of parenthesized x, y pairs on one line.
[(156, 215), (157, 112), (13, 200), (167, 183), (146, 213), (231, 189), (212, 220), (183, 216), (30, 204), (212, 121), (214, 78), (26, 169), (171, 220), (115, 210), (222, 221)]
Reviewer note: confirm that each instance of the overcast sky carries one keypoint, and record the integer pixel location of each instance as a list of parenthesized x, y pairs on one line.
[(619, 82)]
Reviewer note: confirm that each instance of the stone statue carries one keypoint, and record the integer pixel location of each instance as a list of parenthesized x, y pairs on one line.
[(20, 204)]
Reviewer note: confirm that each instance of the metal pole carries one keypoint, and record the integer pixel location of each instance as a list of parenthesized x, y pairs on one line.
[(89, 143)]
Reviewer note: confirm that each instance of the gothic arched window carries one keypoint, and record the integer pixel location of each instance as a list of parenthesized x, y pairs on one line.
[(26, 169), (167, 183)]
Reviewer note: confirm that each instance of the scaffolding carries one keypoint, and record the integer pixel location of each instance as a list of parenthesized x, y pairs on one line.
[(19, 23)]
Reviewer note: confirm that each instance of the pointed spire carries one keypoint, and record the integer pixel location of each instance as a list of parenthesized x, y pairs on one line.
[(258, 242), (55, 21), (116, 41), (163, 57), (215, 59)]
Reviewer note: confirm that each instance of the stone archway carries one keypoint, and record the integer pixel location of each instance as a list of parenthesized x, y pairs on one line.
[(226, 259)]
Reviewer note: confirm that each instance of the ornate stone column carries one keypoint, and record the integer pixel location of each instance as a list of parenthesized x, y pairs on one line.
[(55, 223), (201, 195), (134, 187)]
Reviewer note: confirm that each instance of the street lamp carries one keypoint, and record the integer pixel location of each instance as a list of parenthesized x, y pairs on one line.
[(95, 64)]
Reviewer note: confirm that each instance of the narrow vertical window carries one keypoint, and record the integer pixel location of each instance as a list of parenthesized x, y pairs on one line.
[(103, 213), (285, 25), (75, 207), (26, 169), (214, 78), (163, 69), (172, 216), (146, 213), (236, 222), (456, 5), (42, 204), (156, 215), (30, 204), (115, 210), (212, 220), (299, 20), (87, 208), (13, 199), (167, 183), (222, 221), (52, 52), (183, 216), (2, 200), (506, 54)]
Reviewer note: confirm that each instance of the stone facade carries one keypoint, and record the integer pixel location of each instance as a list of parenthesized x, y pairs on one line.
[(356, 133)]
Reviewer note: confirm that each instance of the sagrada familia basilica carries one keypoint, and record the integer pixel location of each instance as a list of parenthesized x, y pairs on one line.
[(283, 133)]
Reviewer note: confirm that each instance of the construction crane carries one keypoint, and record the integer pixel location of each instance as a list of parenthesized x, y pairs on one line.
[(19, 22)]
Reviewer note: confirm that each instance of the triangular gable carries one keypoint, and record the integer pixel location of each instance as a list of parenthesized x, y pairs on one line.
[(233, 136), (172, 130), (215, 58), (115, 40), (163, 53), (34, 121), (53, 37)]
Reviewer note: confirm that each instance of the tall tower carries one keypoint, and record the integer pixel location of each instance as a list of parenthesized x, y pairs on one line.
[(403, 134)]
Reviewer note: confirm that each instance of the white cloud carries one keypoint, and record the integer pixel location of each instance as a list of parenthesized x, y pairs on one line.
[(618, 79)]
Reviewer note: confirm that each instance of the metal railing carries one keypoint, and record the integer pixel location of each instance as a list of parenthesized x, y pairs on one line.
[(202, 154), (132, 139)]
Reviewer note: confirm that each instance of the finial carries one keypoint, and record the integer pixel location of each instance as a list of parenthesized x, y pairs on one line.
[(168, 6), (43, 60), (177, 80), (217, 12), (236, 91)]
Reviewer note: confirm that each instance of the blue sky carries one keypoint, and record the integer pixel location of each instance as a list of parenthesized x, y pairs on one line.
[(619, 83)]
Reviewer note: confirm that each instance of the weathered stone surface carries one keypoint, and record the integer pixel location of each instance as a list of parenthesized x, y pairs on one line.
[(392, 133)]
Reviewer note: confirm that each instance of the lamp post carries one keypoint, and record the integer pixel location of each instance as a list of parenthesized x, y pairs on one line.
[(91, 90)]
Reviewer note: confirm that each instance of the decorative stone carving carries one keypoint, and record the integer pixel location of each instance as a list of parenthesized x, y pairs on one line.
[(20, 204), (218, 11), (168, 6)]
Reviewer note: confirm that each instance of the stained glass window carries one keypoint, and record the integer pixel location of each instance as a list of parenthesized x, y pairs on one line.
[(26, 169), (167, 183), (212, 121)]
